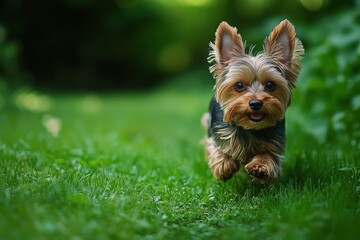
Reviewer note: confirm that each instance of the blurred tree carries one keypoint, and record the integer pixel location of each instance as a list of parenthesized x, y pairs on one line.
[(94, 44)]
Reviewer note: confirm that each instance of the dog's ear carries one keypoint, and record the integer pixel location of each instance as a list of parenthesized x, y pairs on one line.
[(283, 46), (228, 44)]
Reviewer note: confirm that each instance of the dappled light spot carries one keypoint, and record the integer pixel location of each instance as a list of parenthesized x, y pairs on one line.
[(90, 104), (174, 58), (355, 102), (189, 3), (312, 5), (195, 3), (253, 7), (52, 125), (32, 101)]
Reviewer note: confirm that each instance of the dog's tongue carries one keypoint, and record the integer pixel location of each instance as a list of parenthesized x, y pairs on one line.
[(256, 116)]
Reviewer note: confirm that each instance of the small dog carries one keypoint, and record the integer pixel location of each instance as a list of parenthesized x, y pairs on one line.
[(246, 122)]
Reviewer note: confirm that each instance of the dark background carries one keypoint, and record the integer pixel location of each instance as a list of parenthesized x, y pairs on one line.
[(131, 44)]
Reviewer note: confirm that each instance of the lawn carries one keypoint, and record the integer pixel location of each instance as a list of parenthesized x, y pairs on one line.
[(131, 166)]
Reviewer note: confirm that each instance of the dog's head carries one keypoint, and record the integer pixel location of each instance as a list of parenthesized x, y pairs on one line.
[(254, 91)]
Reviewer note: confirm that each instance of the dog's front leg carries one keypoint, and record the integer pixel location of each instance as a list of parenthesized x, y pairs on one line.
[(222, 166), (264, 168)]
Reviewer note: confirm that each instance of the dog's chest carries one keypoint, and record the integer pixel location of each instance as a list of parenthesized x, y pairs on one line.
[(241, 144), (236, 144)]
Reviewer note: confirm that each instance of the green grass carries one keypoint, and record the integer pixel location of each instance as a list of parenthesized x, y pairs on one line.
[(131, 166)]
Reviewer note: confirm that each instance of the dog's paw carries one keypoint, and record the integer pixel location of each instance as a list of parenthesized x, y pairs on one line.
[(256, 170), (263, 169), (225, 169), (259, 173)]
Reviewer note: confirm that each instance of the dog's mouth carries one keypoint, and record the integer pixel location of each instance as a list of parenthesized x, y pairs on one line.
[(256, 117)]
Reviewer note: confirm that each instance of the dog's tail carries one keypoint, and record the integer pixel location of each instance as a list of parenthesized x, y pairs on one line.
[(206, 120)]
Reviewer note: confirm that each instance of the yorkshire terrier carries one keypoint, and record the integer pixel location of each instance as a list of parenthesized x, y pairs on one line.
[(246, 121)]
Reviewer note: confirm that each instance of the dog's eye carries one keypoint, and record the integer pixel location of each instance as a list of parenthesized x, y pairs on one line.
[(239, 86), (270, 86)]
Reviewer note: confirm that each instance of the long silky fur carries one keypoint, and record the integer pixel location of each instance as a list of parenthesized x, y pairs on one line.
[(228, 144)]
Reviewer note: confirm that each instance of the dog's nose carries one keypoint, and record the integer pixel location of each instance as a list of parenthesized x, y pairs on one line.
[(255, 104)]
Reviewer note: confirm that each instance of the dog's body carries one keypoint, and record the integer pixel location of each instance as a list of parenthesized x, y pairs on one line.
[(246, 122)]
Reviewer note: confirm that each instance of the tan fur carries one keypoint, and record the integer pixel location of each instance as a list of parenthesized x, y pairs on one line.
[(280, 63), (226, 158), (296, 49), (265, 165), (235, 104), (217, 55), (223, 167)]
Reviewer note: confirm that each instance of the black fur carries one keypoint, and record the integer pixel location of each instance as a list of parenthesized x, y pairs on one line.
[(275, 134)]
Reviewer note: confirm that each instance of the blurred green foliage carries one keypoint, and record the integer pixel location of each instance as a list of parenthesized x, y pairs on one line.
[(107, 45), (94, 44), (330, 84)]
